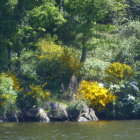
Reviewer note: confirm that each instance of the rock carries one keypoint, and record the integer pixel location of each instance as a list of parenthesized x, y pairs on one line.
[(87, 114), (43, 116), (9, 117), (57, 112), (30, 115), (34, 115), (12, 117), (82, 119), (81, 113), (74, 112)]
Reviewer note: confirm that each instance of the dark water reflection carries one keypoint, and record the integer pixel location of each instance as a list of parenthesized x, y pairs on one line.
[(101, 130)]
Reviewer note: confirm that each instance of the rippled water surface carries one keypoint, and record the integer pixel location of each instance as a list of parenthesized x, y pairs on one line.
[(101, 130)]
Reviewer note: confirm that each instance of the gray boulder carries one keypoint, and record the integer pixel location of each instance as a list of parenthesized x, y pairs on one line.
[(43, 115), (57, 112), (81, 113), (34, 115), (87, 114)]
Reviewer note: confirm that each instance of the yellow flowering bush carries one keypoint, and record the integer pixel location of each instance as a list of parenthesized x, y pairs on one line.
[(97, 96), (119, 70), (57, 63), (36, 91), (49, 50), (16, 83), (67, 56)]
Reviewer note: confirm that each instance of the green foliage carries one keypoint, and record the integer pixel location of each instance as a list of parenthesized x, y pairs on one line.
[(7, 94), (94, 68), (131, 29), (86, 8), (44, 16), (134, 9), (127, 105), (3, 59), (23, 22), (28, 63), (128, 51), (119, 8)]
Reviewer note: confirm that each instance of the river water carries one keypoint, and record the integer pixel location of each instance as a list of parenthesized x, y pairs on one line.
[(100, 130)]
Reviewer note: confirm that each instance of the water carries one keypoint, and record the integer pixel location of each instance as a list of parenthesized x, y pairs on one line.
[(101, 130)]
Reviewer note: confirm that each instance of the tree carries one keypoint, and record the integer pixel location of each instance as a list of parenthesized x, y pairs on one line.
[(23, 22), (134, 9), (89, 13)]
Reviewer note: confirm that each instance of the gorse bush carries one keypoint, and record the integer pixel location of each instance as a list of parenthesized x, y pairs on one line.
[(16, 83), (49, 50), (33, 95), (119, 71), (97, 95), (36, 91), (68, 57), (57, 63)]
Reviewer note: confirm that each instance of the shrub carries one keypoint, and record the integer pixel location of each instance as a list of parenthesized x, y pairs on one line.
[(48, 49), (32, 96), (70, 61), (7, 94), (93, 69), (57, 63), (97, 95), (127, 104), (119, 71), (16, 83), (36, 91)]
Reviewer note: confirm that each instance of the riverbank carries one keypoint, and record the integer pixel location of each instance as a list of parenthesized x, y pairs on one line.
[(52, 112)]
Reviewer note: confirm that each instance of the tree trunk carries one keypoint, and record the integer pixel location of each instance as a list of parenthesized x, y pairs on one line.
[(84, 51), (61, 5), (84, 54), (9, 52), (18, 64)]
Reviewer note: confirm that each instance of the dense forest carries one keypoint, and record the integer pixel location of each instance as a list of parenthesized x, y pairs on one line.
[(70, 51)]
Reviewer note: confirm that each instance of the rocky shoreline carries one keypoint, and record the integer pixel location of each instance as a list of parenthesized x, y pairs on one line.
[(52, 112)]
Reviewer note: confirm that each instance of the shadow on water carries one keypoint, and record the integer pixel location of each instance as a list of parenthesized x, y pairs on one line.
[(100, 130)]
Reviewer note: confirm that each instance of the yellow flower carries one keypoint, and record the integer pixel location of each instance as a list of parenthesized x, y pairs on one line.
[(98, 96)]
